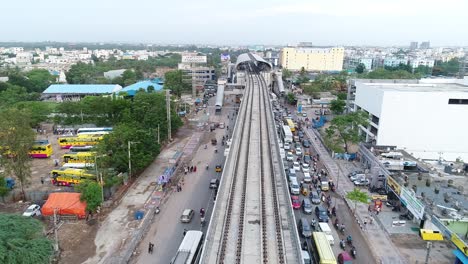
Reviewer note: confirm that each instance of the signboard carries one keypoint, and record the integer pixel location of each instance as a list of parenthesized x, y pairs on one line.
[(447, 233), (193, 59), (459, 243), (412, 203), (393, 185), (379, 197), (225, 57)]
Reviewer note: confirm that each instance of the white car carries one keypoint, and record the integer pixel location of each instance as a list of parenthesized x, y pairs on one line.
[(307, 178), (289, 156), (298, 151), (33, 210), (287, 146), (296, 166), (305, 167)]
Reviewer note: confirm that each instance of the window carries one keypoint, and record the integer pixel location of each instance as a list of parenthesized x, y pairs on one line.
[(458, 101)]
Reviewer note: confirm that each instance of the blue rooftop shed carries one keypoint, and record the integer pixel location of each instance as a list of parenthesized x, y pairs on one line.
[(74, 92), (131, 90)]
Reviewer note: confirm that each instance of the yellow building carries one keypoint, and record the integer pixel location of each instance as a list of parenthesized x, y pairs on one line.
[(312, 59)]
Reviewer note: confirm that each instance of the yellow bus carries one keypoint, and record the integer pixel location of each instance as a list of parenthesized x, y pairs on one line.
[(80, 140), (79, 157), (69, 176), (323, 251), (291, 125), (41, 149)]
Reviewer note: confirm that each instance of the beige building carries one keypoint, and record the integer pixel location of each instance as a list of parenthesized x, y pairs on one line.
[(312, 59)]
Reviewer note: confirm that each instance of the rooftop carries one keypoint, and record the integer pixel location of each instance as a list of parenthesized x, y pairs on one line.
[(132, 89), (418, 87), (82, 89)]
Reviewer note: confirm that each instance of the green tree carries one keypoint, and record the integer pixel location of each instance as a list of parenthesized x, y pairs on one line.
[(174, 81), (303, 78), (150, 89), (291, 98), (128, 77), (91, 193), (81, 73), (286, 74), (14, 94), (342, 96), (345, 128), (17, 136), (357, 196), (22, 240), (337, 106), (39, 80), (360, 68), (3, 188)]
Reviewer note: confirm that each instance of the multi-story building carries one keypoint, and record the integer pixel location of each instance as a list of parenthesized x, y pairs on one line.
[(312, 59), (425, 45), (423, 117), (416, 62), (394, 62), (413, 45)]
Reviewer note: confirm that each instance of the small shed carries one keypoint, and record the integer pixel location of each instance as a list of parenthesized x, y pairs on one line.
[(65, 203)]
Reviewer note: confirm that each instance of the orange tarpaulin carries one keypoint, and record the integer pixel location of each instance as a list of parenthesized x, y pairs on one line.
[(66, 204)]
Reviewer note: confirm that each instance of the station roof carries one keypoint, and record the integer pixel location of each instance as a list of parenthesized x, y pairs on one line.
[(157, 83), (82, 89), (251, 57), (419, 87)]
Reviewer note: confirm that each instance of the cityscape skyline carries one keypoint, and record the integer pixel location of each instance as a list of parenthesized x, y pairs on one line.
[(361, 22)]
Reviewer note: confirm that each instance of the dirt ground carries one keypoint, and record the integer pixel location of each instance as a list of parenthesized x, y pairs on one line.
[(76, 241), (413, 249)]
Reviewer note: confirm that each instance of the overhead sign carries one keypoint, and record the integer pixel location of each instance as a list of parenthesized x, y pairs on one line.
[(379, 197), (412, 203), (393, 185), (193, 59), (459, 243)]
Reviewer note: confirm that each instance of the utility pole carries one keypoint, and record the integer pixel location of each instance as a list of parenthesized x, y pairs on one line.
[(56, 246), (168, 110), (429, 245), (159, 140)]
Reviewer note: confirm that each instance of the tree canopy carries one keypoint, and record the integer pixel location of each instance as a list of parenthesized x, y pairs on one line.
[(360, 68), (337, 106), (22, 240), (174, 81), (344, 129), (91, 193), (358, 196)]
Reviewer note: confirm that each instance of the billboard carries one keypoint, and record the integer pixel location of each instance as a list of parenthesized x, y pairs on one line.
[(412, 203), (225, 57), (188, 58), (393, 185)]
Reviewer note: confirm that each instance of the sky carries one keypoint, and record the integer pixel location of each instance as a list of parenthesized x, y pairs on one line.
[(238, 22)]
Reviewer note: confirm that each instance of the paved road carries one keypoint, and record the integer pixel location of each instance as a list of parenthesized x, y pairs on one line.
[(343, 213), (166, 232)]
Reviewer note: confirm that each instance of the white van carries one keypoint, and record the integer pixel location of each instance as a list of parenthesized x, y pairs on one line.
[(294, 187), (306, 257), (327, 230)]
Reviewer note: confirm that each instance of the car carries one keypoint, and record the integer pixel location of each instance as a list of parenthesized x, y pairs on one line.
[(307, 159), (305, 228), (204, 105), (296, 166), (297, 145), (305, 167), (221, 125), (307, 206), (314, 197), (300, 134), (305, 189), (306, 143), (307, 177), (294, 187), (321, 213), (354, 173), (214, 183), (187, 216), (289, 156), (298, 151), (287, 146), (357, 177), (362, 182), (296, 204), (304, 114), (32, 210), (218, 168)]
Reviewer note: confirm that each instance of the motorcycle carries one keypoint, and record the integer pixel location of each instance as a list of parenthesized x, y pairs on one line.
[(202, 221), (207, 166), (156, 211), (334, 211), (349, 240), (342, 244), (342, 228), (353, 252)]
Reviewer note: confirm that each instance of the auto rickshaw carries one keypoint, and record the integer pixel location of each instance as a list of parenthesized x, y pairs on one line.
[(305, 189), (218, 168)]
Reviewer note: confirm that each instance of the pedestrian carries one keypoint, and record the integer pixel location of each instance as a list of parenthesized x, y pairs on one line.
[(185, 170), (56, 162), (42, 180), (378, 210), (194, 168), (180, 188), (152, 248), (371, 220), (185, 231), (149, 247)]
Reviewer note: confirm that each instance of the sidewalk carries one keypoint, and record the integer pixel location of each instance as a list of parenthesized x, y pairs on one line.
[(378, 240), (118, 227)]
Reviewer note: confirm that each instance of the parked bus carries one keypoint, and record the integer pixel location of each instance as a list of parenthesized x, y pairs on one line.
[(94, 130), (322, 249), (81, 140), (81, 148), (190, 249), (41, 149), (286, 134), (68, 176), (291, 125), (79, 157)]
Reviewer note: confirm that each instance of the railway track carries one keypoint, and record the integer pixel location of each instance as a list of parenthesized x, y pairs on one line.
[(252, 223)]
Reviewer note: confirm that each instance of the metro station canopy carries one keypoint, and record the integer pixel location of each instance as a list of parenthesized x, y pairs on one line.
[(245, 59)]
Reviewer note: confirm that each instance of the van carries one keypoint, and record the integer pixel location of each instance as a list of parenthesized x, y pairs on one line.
[(304, 226), (321, 213), (294, 186), (307, 206), (325, 228), (306, 257)]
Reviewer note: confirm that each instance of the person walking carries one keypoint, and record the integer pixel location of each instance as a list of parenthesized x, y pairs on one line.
[(42, 180), (194, 168), (149, 248)]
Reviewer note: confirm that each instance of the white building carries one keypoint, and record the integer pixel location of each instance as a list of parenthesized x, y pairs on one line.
[(416, 62), (394, 62), (427, 119)]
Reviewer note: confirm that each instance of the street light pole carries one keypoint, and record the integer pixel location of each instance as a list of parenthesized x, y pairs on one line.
[(429, 245), (99, 175)]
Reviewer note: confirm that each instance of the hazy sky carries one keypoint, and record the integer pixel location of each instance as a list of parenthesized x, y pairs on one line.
[(322, 22)]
